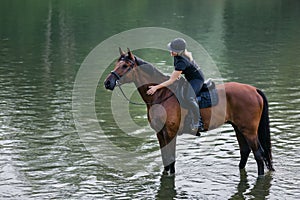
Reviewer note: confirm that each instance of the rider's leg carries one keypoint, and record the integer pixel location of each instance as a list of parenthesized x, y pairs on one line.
[(194, 107), (197, 122)]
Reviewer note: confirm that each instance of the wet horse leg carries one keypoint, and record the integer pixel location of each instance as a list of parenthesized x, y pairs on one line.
[(168, 150), (170, 167), (258, 153), (244, 147)]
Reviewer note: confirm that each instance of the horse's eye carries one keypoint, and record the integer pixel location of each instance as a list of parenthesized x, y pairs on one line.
[(124, 66)]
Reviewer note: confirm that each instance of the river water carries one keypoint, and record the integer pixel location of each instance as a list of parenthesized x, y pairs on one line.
[(42, 153)]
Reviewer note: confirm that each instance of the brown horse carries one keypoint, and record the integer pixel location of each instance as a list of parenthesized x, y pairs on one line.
[(243, 106)]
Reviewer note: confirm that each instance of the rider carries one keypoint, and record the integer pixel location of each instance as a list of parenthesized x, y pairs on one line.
[(185, 64)]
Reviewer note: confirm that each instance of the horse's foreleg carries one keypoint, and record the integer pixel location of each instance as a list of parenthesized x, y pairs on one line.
[(168, 156), (170, 167), (168, 149)]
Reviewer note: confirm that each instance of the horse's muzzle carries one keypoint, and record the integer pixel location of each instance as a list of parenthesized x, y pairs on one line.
[(110, 84)]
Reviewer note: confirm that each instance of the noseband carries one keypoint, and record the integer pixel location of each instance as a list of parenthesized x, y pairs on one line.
[(116, 75)]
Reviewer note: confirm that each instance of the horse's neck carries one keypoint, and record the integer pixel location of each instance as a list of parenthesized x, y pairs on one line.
[(155, 98), (146, 75)]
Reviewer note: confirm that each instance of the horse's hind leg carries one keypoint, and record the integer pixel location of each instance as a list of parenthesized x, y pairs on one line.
[(244, 147), (244, 150), (246, 144), (258, 153)]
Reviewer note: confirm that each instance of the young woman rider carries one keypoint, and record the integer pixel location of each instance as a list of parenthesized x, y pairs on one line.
[(185, 64)]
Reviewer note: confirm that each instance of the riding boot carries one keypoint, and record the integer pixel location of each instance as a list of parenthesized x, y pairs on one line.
[(197, 125)]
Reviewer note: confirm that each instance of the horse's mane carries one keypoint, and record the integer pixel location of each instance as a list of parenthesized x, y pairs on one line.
[(149, 69)]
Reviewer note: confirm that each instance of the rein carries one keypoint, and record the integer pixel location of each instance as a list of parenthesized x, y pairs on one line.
[(132, 63), (141, 104), (124, 95)]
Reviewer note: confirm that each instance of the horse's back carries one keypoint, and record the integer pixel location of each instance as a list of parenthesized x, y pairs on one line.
[(241, 94), (243, 103), (238, 88)]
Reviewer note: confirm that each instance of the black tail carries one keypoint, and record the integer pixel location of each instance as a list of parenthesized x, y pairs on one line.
[(264, 132)]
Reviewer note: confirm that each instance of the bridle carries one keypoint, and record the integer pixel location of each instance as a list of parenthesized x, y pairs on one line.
[(131, 66)]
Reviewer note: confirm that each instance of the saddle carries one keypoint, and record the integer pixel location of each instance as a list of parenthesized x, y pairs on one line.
[(207, 97)]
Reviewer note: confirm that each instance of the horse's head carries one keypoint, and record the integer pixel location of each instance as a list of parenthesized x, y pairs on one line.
[(121, 73)]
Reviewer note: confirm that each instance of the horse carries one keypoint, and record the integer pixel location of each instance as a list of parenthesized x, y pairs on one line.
[(243, 106)]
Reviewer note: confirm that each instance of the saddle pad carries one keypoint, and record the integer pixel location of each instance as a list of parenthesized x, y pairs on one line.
[(208, 98)]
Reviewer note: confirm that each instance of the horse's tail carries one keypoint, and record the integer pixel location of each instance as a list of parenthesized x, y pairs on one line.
[(264, 132)]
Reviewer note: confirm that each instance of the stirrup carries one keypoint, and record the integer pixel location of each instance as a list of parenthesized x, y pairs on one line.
[(197, 128)]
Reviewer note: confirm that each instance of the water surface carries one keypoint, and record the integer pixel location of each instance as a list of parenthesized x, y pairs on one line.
[(43, 43)]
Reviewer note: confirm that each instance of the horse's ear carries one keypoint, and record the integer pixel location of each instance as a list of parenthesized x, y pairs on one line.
[(130, 54), (122, 53)]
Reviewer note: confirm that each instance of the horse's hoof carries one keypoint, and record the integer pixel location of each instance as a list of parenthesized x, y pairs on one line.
[(260, 176), (165, 172), (172, 174)]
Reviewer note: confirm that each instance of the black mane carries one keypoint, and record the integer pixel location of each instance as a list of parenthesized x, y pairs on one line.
[(149, 69)]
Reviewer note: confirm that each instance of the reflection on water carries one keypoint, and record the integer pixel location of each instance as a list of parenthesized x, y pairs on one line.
[(42, 44), (166, 189), (260, 190)]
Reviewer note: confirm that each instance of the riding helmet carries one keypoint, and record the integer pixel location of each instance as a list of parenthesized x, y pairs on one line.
[(177, 45)]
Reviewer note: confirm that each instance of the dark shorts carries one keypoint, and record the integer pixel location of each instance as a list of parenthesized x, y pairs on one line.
[(196, 85)]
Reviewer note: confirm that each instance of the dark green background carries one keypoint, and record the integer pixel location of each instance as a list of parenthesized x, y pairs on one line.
[(43, 43)]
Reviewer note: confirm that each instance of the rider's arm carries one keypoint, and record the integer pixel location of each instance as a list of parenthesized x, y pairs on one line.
[(174, 76)]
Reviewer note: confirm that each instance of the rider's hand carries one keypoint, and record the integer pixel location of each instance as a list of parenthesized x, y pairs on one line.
[(152, 90)]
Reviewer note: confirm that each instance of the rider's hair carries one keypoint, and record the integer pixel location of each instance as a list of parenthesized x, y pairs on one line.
[(187, 54)]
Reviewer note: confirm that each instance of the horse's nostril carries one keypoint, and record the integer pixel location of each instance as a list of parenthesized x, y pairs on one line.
[(107, 84)]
